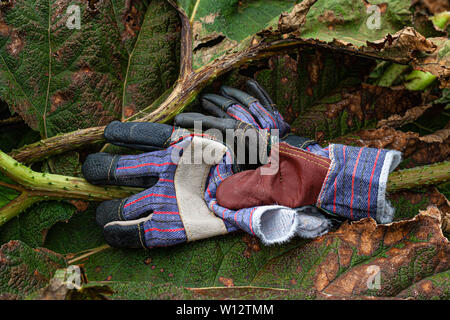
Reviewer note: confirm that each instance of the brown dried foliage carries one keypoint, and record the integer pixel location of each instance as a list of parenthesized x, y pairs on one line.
[(429, 250), (421, 150)]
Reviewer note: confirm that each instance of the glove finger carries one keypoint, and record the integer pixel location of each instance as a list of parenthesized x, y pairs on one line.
[(264, 118), (133, 170), (126, 234), (311, 223), (257, 91), (217, 105), (243, 98), (212, 103), (187, 120), (144, 233), (159, 199), (146, 220), (102, 168), (144, 136), (109, 211), (164, 229), (300, 142), (117, 210)]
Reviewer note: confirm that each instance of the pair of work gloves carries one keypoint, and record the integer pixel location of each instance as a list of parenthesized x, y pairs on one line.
[(196, 188)]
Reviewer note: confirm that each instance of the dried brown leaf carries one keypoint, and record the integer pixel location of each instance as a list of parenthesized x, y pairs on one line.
[(410, 115), (403, 44), (373, 102), (296, 18), (422, 150), (367, 237)]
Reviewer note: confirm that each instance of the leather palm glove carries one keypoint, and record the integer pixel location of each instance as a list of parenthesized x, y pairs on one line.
[(351, 183), (181, 176), (172, 209)]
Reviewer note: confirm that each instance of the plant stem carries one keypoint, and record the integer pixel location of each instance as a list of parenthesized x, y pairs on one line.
[(58, 144), (54, 184), (37, 186), (89, 253), (19, 204), (420, 176)]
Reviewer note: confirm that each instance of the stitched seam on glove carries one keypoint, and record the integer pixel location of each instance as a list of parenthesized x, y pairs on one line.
[(120, 208), (330, 171), (385, 212), (304, 158)]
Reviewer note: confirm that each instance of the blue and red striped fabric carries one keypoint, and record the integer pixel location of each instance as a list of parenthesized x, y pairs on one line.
[(269, 120), (259, 117), (356, 181), (165, 228), (241, 114), (317, 149)]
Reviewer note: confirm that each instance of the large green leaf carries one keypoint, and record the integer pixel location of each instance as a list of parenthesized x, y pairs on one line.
[(405, 252), (32, 225), (60, 79), (353, 21), (378, 29)]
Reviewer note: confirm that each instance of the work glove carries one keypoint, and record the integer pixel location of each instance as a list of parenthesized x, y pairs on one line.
[(351, 183), (177, 205), (172, 209), (253, 113), (272, 224)]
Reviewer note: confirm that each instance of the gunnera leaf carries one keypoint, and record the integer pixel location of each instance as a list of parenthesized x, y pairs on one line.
[(339, 264), (60, 76), (32, 225)]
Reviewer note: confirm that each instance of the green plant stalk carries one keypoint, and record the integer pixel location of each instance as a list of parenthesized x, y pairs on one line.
[(71, 187), (58, 144), (435, 173), (19, 204), (37, 186)]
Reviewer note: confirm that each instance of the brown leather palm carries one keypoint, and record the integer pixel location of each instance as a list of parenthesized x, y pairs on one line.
[(297, 182)]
